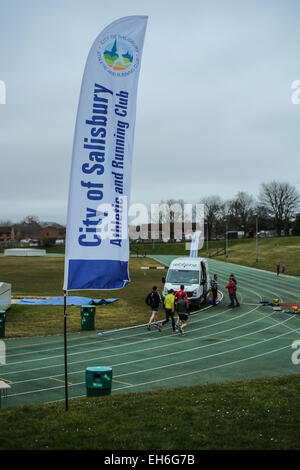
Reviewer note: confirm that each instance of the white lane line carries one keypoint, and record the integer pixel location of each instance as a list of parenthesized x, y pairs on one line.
[(175, 376), (158, 338), (181, 352)]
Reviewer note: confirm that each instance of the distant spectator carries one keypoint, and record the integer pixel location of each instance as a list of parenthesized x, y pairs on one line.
[(214, 289), (231, 286), (235, 289), (278, 267), (283, 269)]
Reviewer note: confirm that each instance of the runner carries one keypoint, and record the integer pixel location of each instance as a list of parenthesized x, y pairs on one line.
[(169, 303), (178, 294), (183, 309), (153, 299)]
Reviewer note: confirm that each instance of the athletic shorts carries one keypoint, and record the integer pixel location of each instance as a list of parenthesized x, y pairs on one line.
[(183, 316)]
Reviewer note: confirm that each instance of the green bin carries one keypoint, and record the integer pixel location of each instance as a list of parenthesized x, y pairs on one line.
[(88, 317), (2, 323), (98, 381)]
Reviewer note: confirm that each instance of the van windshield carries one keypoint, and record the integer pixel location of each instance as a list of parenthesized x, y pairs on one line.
[(181, 276)]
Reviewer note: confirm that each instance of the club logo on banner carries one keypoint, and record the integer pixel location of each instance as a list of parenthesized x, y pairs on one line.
[(97, 246), (118, 55)]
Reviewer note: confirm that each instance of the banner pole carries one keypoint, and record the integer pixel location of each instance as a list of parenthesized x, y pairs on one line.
[(65, 352)]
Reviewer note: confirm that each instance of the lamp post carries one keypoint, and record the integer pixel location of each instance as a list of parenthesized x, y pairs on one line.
[(206, 223), (226, 241), (256, 238)]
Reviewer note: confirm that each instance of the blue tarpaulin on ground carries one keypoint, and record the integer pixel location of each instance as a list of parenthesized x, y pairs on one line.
[(71, 300)]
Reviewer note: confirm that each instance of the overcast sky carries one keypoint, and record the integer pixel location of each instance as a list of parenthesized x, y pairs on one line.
[(214, 110)]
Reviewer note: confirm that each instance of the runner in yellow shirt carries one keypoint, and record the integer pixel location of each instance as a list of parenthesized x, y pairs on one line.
[(169, 302)]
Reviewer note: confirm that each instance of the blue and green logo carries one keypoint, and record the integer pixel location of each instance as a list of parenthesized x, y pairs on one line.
[(118, 55)]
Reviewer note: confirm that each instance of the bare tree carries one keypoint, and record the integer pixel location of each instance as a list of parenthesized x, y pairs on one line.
[(240, 211), (213, 213), (29, 226), (281, 201), (171, 210)]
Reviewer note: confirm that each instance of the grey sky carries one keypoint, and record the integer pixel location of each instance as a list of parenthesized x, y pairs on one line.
[(214, 111)]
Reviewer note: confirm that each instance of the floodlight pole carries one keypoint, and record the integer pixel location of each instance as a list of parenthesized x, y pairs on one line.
[(226, 240), (257, 238), (65, 352)]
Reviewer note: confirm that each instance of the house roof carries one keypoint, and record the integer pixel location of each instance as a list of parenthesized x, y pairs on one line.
[(5, 229)]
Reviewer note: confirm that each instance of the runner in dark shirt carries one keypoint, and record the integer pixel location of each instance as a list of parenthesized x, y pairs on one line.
[(183, 309), (153, 299)]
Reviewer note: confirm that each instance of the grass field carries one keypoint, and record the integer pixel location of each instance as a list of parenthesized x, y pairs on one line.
[(287, 249), (44, 277), (255, 414)]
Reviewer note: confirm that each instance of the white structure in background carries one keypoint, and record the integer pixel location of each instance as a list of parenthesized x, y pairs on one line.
[(24, 252), (5, 295)]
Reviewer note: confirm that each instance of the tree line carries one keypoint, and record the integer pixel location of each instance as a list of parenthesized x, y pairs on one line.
[(275, 209), (29, 227)]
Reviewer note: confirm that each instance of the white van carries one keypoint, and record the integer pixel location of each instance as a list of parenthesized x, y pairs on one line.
[(193, 274)]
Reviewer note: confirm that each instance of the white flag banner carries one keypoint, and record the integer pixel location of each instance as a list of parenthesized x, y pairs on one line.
[(97, 246), (195, 244)]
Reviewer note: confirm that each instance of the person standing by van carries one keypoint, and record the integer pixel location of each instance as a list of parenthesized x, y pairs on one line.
[(235, 289), (231, 286), (214, 289), (153, 299)]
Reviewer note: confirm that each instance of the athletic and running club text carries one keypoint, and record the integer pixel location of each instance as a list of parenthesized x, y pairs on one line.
[(92, 231)]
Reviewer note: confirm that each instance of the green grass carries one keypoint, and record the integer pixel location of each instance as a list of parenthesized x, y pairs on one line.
[(44, 277), (285, 249), (243, 252), (255, 414)]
